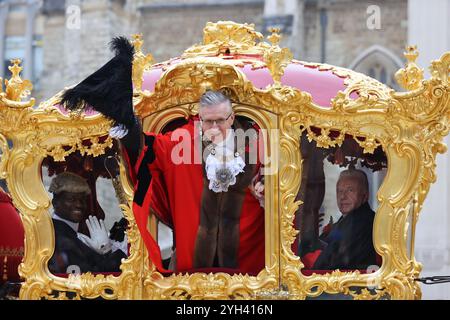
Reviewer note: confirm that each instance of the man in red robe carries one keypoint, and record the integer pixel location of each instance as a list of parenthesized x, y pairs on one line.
[(216, 220), (217, 223)]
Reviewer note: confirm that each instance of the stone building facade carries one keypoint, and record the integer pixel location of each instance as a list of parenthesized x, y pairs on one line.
[(63, 41)]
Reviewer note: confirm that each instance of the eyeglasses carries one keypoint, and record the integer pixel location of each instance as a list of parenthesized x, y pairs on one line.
[(219, 122)]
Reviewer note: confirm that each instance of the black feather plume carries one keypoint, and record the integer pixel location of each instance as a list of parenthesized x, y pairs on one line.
[(109, 90)]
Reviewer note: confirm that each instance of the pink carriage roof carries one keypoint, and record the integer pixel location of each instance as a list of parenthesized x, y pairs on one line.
[(323, 85)]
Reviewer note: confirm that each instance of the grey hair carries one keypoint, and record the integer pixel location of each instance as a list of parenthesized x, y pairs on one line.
[(213, 98), (356, 174)]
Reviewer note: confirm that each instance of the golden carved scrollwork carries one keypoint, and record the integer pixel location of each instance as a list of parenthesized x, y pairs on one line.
[(410, 76), (276, 58), (208, 286), (141, 62), (361, 93), (16, 88), (440, 69), (180, 83), (408, 126), (4, 152), (376, 120), (36, 134), (415, 144), (227, 37)]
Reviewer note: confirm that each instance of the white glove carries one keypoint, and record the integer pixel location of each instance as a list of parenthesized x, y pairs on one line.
[(118, 132), (99, 239), (123, 246)]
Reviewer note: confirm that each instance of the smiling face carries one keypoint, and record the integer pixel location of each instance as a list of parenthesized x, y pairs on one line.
[(216, 120), (70, 205), (350, 193)]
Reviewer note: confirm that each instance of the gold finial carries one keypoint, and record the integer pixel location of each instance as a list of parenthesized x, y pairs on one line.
[(15, 68), (275, 37), (276, 58), (410, 77), (411, 54), (140, 62), (137, 41), (16, 88)]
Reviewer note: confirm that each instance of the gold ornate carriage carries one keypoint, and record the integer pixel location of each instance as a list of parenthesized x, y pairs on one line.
[(297, 103)]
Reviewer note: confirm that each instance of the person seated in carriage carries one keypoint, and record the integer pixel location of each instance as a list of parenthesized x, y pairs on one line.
[(74, 251), (346, 244)]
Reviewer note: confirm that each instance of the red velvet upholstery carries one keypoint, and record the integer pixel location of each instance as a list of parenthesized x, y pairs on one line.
[(11, 240), (309, 258)]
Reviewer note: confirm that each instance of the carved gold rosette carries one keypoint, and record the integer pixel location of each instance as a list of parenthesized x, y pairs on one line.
[(409, 127)]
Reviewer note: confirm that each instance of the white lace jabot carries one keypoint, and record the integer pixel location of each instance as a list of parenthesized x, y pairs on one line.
[(223, 165)]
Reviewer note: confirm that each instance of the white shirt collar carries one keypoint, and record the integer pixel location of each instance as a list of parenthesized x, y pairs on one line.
[(72, 225)]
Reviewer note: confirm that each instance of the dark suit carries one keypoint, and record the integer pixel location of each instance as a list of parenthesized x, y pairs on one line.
[(349, 244), (69, 250)]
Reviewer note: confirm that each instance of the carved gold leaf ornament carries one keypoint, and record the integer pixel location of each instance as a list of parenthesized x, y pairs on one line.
[(35, 135), (276, 58), (411, 76), (227, 37), (409, 127), (4, 156), (141, 63), (16, 88), (440, 69)]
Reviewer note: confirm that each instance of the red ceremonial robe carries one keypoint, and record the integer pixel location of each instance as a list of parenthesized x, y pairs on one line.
[(174, 192)]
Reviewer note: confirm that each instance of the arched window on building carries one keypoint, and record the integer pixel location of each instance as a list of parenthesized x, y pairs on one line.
[(379, 63)]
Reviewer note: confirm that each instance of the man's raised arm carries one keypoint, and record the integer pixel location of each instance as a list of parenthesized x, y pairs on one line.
[(109, 91)]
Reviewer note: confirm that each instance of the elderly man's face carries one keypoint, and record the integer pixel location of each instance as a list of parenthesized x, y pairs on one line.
[(70, 205), (216, 120), (350, 194)]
